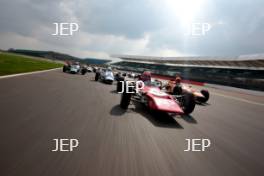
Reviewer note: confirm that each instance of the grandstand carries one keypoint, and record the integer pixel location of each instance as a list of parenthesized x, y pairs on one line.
[(244, 71)]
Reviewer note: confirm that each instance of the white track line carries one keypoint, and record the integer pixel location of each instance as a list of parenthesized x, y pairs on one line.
[(27, 73), (239, 99)]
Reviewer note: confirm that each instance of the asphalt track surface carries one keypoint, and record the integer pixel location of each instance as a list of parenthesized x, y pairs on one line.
[(34, 109)]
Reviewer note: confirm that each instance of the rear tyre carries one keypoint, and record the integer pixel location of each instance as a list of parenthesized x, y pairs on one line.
[(206, 96), (188, 103), (119, 84), (177, 90), (97, 76)]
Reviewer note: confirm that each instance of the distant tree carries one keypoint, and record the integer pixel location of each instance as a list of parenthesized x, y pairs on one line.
[(11, 49)]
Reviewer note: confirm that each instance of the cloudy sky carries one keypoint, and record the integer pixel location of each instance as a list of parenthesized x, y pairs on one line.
[(137, 27)]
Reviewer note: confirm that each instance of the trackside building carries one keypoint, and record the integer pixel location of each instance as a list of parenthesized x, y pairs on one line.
[(244, 71)]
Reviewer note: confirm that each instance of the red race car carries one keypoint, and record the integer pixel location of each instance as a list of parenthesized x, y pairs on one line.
[(152, 97), (177, 89)]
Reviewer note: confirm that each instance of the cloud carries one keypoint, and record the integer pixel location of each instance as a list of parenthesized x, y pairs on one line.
[(140, 27)]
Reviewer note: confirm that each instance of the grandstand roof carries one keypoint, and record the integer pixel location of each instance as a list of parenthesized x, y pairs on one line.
[(255, 61)]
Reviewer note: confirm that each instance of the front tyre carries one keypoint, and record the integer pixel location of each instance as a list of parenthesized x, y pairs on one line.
[(125, 99), (97, 75), (64, 69), (119, 84), (188, 103)]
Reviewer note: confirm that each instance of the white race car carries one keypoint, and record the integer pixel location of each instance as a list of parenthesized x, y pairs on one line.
[(74, 68), (89, 69), (105, 75)]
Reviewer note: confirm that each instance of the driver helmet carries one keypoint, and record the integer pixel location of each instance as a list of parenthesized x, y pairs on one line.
[(178, 79), (146, 76)]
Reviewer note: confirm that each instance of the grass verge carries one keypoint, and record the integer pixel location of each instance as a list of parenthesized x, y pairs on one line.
[(12, 64)]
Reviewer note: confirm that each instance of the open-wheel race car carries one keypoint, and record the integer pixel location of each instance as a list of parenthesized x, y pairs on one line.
[(177, 89), (152, 97), (73, 67), (89, 69), (105, 75)]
